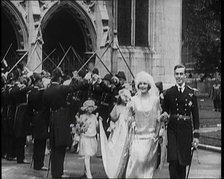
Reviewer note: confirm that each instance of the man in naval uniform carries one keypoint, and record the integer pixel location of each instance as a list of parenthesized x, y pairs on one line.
[(181, 109), (54, 97)]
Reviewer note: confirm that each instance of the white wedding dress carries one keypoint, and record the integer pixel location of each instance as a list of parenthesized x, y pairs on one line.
[(115, 148)]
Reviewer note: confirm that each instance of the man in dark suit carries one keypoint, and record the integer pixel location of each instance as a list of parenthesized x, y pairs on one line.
[(54, 97), (181, 109), (40, 122)]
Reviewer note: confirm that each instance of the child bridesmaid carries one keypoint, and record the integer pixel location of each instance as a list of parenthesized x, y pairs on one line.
[(88, 125)]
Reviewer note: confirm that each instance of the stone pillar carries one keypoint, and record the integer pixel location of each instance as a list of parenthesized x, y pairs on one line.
[(35, 45), (103, 37), (114, 60), (165, 20)]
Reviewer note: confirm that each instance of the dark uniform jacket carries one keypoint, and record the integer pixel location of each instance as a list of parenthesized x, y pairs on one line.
[(22, 118), (95, 93), (180, 128), (106, 104), (54, 97), (10, 113), (4, 107), (76, 99), (40, 113)]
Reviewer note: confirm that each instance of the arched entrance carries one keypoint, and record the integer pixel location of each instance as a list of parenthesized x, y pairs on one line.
[(66, 25), (14, 31)]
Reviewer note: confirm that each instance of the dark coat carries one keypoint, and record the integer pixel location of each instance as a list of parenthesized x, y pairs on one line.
[(76, 99), (95, 92), (10, 113), (22, 123), (54, 97), (106, 104), (179, 131), (22, 118), (40, 114), (4, 108)]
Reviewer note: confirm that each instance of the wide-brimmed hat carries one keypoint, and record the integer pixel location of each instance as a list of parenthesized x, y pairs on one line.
[(121, 74), (88, 103)]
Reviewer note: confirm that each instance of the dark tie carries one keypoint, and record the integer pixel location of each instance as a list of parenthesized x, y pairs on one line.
[(180, 90)]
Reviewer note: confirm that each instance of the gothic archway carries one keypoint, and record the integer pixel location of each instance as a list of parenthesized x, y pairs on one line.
[(17, 22), (14, 31), (66, 23)]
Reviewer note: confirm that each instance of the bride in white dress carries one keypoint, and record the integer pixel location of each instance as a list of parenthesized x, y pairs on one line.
[(146, 109), (131, 150)]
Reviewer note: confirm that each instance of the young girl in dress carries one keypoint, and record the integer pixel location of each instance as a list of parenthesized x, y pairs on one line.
[(88, 128)]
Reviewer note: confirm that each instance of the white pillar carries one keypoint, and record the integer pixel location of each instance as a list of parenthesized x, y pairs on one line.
[(35, 55), (165, 30)]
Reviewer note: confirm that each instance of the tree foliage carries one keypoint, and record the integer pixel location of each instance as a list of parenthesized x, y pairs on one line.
[(202, 34)]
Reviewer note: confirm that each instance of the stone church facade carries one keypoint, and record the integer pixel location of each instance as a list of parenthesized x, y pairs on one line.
[(146, 33)]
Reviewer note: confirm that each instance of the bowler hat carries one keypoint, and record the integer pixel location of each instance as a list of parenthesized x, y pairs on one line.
[(121, 74)]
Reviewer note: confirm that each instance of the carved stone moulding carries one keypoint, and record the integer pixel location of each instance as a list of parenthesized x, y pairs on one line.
[(17, 21), (80, 14)]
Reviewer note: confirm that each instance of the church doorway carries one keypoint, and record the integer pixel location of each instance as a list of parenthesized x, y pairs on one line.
[(8, 42), (63, 30)]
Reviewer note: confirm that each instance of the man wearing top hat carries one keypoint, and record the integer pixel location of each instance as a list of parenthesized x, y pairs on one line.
[(54, 97), (181, 108)]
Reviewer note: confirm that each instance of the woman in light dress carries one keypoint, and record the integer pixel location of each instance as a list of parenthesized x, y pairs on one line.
[(115, 148), (138, 137)]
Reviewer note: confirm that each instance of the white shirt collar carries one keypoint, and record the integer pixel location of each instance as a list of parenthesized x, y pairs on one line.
[(182, 87)]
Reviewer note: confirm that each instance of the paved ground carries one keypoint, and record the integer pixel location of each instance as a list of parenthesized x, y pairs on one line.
[(205, 164), (209, 129)]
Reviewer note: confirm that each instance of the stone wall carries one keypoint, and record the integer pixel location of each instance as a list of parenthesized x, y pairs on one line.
[(158, 59)]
